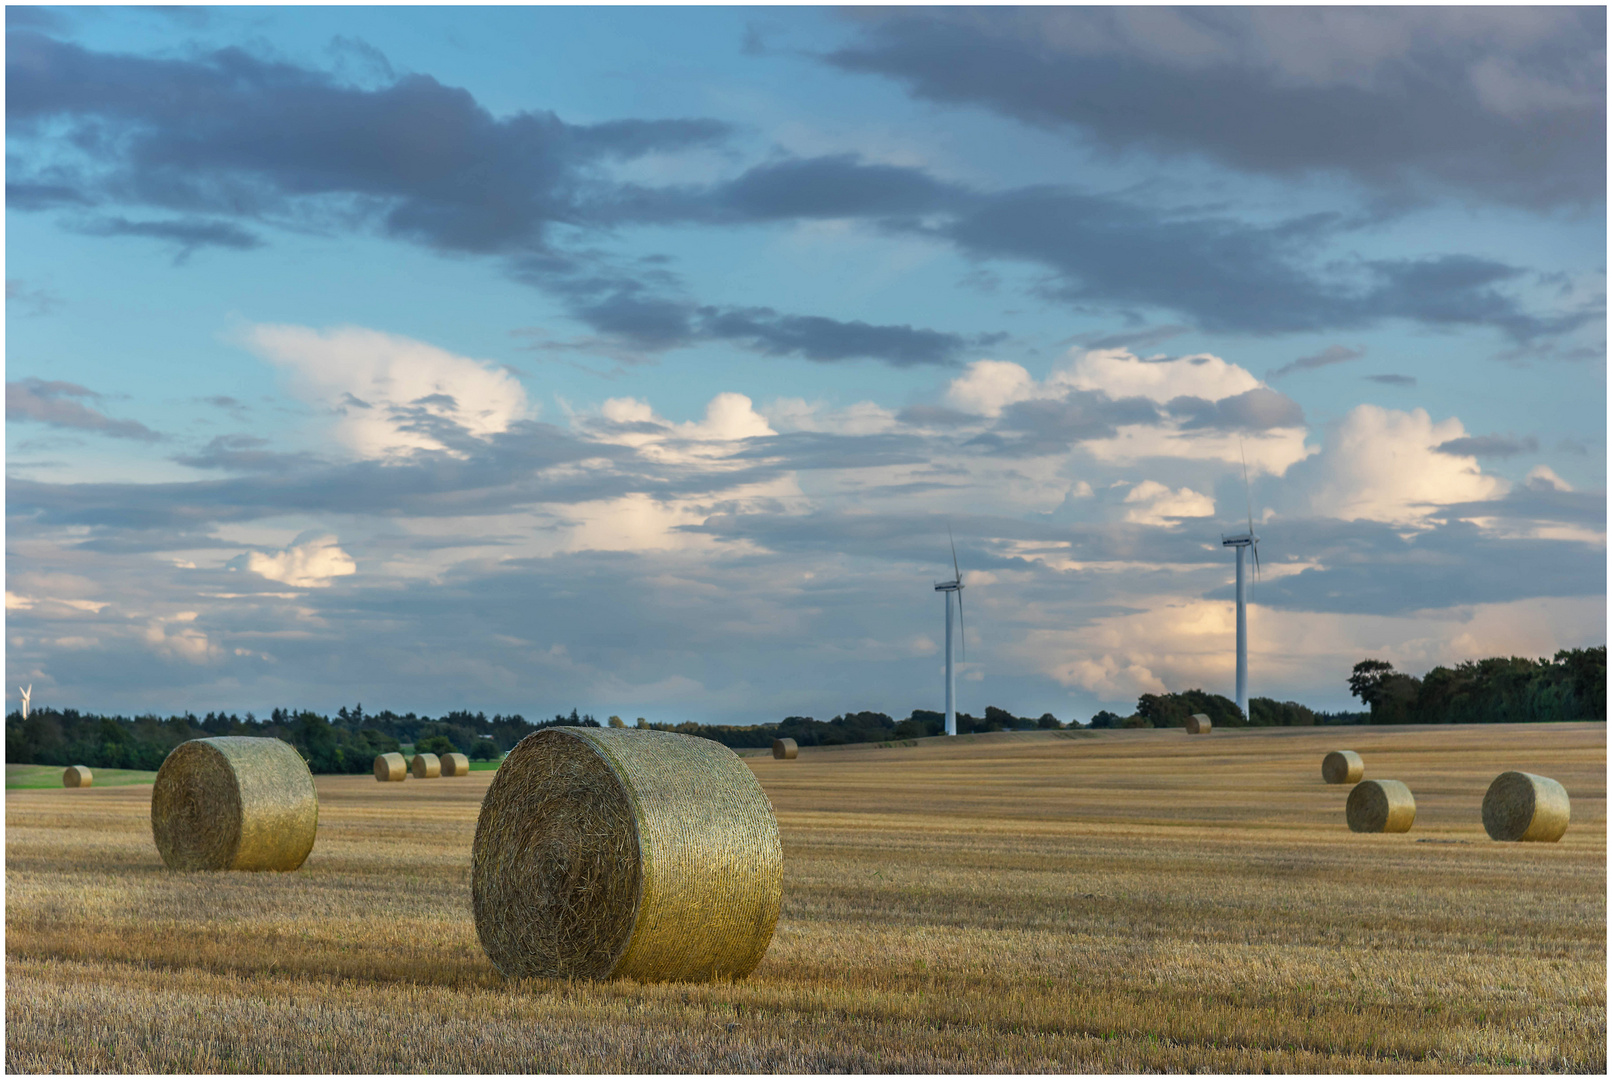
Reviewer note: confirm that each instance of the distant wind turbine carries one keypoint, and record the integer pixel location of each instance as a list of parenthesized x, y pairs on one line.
[(1242, 542), (26, 695), (954, 586)]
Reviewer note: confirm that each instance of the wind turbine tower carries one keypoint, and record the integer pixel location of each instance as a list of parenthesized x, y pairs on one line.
[(1243, 542), (951, 588), (26, 696)]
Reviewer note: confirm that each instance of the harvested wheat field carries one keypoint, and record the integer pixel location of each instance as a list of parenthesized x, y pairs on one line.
[(1050, 901)]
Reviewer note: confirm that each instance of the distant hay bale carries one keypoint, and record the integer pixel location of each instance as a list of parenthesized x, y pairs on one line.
[(234, 803), (785, 749), (455, 765), (642, 854), (390, 767), (1199, 724), (1522, 806), (426, 766), (77, 776), (1380, 806), (1342, 767)]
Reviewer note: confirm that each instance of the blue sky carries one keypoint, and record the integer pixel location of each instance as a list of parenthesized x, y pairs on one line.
[(638, 359)]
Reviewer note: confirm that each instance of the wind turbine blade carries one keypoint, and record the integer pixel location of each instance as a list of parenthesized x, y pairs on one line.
[(1248, 492), (955, 570), (962, 627)]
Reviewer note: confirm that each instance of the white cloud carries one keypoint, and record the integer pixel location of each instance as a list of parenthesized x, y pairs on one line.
[(1544, 478), (1383, 465), (384, 390), (308, 564), (1152, 503), (1118, 373), (989, 386), (798, 414)]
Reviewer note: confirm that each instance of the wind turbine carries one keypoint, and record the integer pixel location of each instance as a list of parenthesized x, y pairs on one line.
[(1243, 542), (954, 586), (26, 694)]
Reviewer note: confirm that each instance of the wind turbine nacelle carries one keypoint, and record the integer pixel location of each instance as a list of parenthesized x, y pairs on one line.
[(1246, 540)]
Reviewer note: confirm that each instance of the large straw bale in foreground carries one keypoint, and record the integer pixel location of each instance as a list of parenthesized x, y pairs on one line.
[(455, 765), (390, 767), (1199, 724), (644, 854), (426, 766), (785, 749), (1522, 806), (1342, 767), (1380, 806), (77, 776), (234, 803)]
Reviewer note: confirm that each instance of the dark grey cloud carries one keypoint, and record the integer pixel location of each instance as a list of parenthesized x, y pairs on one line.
[(245, 453), (229, 141), (1230, 275), (61, 404), (1258, 409), (1496, 103), (1332, 354), (1393, 380), (647, 314), (1499, 446), (227, 133), (1052, 425), (188, 235), (1369, 568)]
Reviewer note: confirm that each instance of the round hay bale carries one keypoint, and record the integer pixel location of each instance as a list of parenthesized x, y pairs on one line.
[(1342, 767), (77, 776), (234, 803), (785, 749), (455, 765), (1380, 806), (1522, 806), (426, 766), (1199, 724), (390, 767), (642, 854)]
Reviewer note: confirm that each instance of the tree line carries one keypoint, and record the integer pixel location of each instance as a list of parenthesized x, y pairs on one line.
[(1570, 686), (1500, 690)]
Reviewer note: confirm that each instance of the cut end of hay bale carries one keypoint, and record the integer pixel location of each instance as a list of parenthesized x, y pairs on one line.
[(455, 765), (1522, 806), (234, 803), (785, 749), (1380, 806), (390, 768), (641, 854), (77, 776), (426, 766), (1342, 767), (1199, 724)]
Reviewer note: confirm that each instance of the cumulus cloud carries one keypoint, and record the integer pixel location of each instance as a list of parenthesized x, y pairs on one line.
[(1386, 465), (311, 562), (1153, 503), (388, 395)]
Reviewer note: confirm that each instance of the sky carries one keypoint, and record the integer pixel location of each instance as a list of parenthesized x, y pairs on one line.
[(639, 360)]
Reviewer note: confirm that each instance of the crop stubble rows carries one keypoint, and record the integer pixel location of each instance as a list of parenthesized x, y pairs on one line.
[(1116, 901)]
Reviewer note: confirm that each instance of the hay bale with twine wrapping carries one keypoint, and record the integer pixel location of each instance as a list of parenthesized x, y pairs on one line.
[(1342, 767), (1198, 724), (1380, 806), (455, 765), (1522, 806), (426, 766), (785, 749), (77, 776), (234, 803), (390, 767), (606, 853)]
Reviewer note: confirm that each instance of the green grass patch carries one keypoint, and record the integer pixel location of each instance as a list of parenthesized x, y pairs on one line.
[(484, 766), (50, 776)]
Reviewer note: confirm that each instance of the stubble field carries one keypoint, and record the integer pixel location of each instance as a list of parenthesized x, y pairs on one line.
[(1114, 901)]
